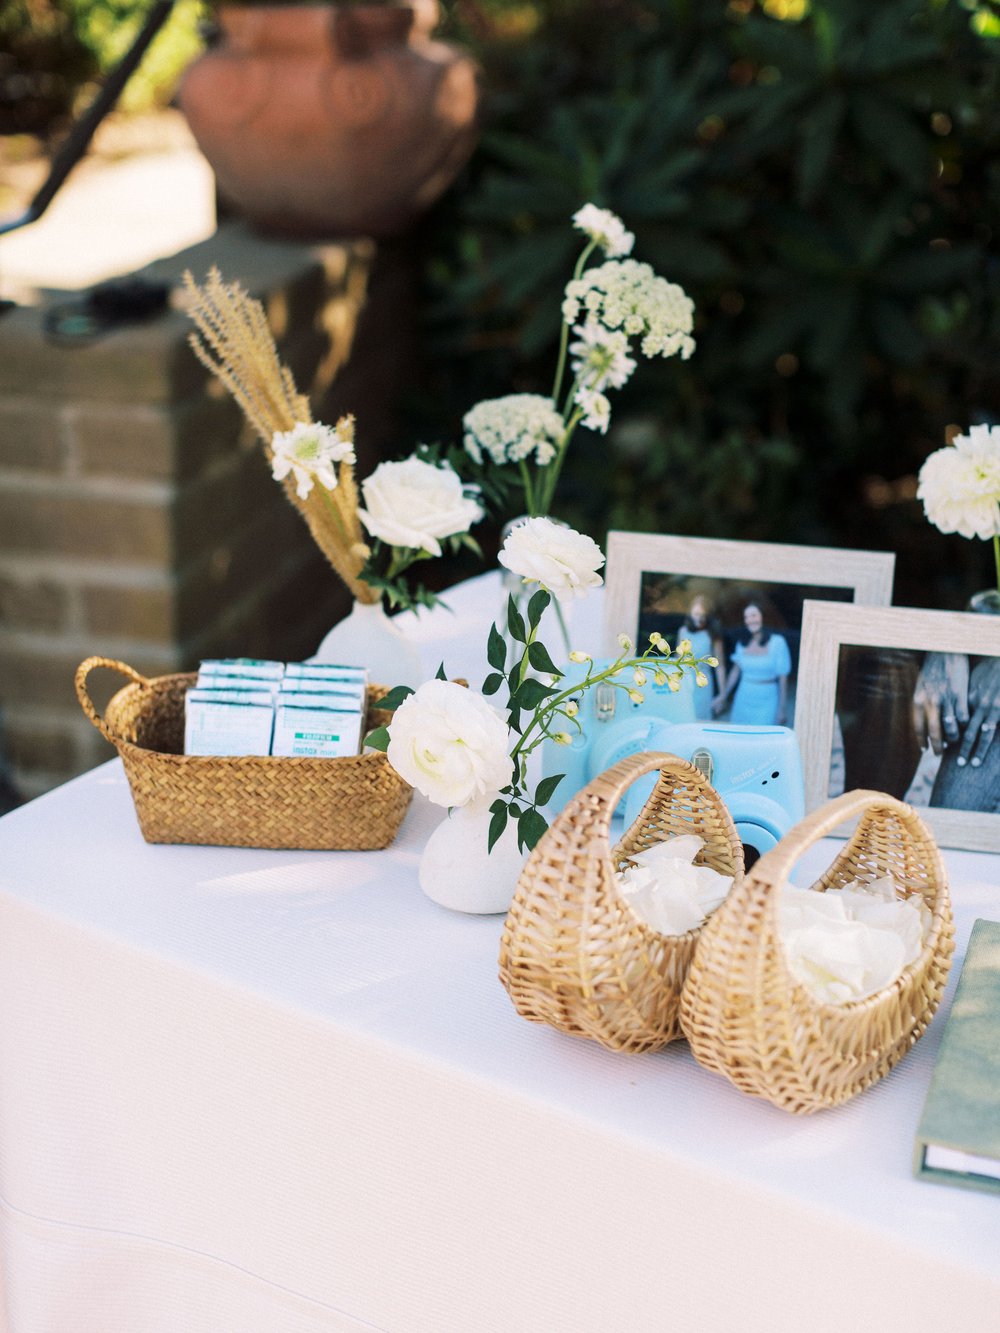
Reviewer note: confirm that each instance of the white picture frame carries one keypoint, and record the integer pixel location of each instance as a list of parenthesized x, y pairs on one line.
[(830, 628), (728, 567)]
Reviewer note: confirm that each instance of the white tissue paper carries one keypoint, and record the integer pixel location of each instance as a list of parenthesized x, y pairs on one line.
[(666, 891), (847, 943)]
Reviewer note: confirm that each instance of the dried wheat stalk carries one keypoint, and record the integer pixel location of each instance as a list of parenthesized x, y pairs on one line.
[(234, 342)]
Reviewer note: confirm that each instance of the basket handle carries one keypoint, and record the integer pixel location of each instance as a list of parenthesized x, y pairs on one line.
[(87, 704), (775, 866), (610, 786)]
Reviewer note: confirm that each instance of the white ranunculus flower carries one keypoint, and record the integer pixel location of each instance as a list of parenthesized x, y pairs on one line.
[(450, 744), (606, 228), (960, 484), (562, 560), (310, 451), (414, 504)]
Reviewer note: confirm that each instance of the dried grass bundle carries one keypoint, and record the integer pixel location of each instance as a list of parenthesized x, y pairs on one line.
[(234, 342)]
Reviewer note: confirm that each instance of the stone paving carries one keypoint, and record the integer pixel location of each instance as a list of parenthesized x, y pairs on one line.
[(143, 191)]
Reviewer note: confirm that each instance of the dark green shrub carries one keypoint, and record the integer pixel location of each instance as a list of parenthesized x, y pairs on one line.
[(827, 190)]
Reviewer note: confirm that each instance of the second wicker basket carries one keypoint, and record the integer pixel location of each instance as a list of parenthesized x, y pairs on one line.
[(746, 1016)]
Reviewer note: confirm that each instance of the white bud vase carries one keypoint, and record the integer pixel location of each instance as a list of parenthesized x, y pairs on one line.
[(368, 638), (458, 872)]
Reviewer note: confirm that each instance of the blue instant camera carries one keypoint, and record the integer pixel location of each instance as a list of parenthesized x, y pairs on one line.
[(756, 770)]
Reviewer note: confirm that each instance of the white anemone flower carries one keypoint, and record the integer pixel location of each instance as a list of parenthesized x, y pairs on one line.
[(310, 452), (960, 484), (600, 357), (596, 409), (606, 228)]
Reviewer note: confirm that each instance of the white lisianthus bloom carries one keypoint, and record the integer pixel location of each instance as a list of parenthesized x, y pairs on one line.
[(960, 484), (413, 503), (624, 294), (596, 409), (449, 743), (577, 655), (624, 643), (512, 428), (562, 560), (310, 452), (571, 708), (606, 228), (600, 357)]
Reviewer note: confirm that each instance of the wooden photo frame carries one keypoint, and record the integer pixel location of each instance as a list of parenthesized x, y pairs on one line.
[(877, 684), (652, 578)]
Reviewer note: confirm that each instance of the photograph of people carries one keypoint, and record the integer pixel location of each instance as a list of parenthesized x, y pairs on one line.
[(757, 680), (704, 632), (921, 726)]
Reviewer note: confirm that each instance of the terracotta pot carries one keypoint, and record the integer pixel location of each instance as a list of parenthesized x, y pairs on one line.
[(321, 120)]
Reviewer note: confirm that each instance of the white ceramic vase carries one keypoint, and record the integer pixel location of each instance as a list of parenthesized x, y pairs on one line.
[(458, 872), (369, 638)]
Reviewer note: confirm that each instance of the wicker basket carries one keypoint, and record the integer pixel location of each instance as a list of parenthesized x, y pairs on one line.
[(574, 954), (355, 803), (744, 1014)]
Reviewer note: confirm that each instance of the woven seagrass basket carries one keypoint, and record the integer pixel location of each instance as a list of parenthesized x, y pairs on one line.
[(354, 803), (744, 1014), (574, 954)]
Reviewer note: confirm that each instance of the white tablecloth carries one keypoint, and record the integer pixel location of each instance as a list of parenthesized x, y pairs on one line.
[(281, 1092)]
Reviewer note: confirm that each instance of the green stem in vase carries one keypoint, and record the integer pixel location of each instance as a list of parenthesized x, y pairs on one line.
[(529, 494), (996, 556), (551, 476), (581, 264)]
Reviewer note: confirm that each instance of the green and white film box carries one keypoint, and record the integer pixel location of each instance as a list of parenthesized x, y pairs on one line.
[(958, 1139), (307, 725), (228, 722)]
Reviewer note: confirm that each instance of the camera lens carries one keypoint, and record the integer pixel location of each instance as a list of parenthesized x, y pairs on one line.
[(751, 855)]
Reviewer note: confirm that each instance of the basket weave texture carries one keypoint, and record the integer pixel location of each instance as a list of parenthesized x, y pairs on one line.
[(744, 1014), (574, 954), (353, 803)]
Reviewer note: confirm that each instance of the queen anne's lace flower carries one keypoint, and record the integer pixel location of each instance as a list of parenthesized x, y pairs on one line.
[(606, 228), (960, 484), (309, 451), (627, 295), (511, 429), (600, 357)]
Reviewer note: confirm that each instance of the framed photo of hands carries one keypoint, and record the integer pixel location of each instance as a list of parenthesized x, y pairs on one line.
[(907, 702)]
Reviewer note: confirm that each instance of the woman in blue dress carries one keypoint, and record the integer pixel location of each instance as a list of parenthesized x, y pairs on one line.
[(705, 636), (758, 677)]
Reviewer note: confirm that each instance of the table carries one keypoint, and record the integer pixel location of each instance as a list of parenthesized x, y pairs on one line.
[(282, 1092)]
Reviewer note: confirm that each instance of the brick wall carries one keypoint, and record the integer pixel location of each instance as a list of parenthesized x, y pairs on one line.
[(138, 518)]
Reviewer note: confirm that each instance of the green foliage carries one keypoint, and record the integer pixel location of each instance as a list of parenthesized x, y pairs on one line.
[(109, 27), (828, 192), (43, 61)]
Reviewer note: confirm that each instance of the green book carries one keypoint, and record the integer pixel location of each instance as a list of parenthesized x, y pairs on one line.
[(958, 1139)]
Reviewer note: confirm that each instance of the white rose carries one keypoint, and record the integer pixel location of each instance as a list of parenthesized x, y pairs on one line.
[(414, 504), (562, 560), (450, 743), (960, 484)]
